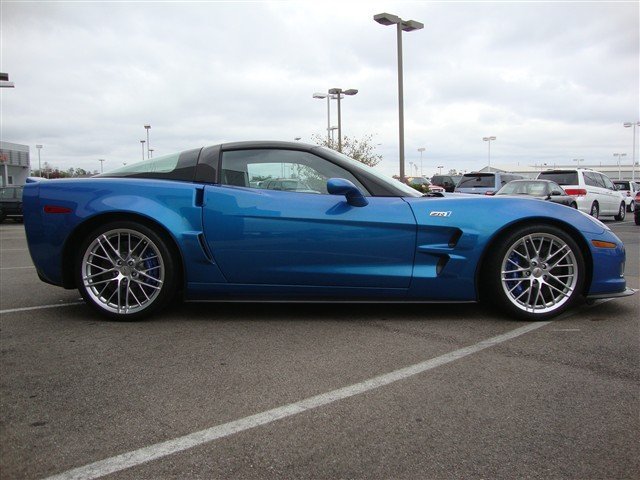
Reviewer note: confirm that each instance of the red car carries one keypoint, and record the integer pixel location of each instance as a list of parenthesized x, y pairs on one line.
[(636, 212)]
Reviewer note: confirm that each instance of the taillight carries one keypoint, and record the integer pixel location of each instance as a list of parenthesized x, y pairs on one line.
[(576, 192)]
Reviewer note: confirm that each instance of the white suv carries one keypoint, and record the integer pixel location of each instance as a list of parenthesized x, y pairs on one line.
[(594, 192)]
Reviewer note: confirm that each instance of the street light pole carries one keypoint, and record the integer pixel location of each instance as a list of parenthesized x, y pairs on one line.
[(39, 147), (407, 26), (338, 92), (151, 153), (142, 143), (421, 149), (489, 139), (328, 97), (147, 128), (101, 160), (633, 154), (619, 155)]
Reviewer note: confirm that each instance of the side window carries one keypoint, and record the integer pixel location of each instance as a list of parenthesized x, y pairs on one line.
[(607, 182), (590, 180), (284, 170)]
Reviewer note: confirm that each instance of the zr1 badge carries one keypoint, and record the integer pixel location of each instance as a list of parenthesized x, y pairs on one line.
[(440, 214)]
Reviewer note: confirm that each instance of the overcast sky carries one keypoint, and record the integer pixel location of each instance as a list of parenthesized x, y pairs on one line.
[(552, 81)]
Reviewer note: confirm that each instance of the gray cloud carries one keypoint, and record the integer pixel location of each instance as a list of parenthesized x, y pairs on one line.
[(552, 81)]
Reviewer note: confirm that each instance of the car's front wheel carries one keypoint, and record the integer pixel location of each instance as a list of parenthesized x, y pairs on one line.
[(632, 207), (125, 270), (622, 212), (535, 272)]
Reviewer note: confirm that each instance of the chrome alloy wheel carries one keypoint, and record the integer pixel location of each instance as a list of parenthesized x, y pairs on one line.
[(539, 273), (122, 271)]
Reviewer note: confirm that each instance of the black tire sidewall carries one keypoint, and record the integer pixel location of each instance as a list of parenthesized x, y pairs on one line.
[(492, 272), (168, 286)]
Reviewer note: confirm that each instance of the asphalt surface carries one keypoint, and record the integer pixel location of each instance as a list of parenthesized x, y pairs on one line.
[(561, 401)]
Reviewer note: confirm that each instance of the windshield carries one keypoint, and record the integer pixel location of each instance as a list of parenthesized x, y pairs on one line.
[(406, 189), (561, 178), (477, 180), (536, 189)]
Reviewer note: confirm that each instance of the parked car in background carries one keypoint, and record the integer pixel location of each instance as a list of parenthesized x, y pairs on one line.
[(11, 203), (448, 182), (595, 193), (628, 189), (288, 185), (541, 189), (423, 184), (636, 213), (485, 183)]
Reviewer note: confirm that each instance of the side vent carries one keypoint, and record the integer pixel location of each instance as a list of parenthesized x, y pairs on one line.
[(442, 262), (455, 238), (205, 248)]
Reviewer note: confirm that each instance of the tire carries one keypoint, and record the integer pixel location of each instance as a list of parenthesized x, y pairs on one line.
[(622, 212), (534, 273), (595, 210), (574, 205), (125, 270), (632, 207)]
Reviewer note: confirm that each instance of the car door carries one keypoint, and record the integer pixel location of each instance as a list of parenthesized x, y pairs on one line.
[(614, 196), (308, 237)]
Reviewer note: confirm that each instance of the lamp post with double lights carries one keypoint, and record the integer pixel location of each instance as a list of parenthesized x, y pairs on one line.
[(406, 26), (147, 128), (39, 147), (328, 97), (578, 160), (338, 92), (633, 153), (489, 139), (619, 155)]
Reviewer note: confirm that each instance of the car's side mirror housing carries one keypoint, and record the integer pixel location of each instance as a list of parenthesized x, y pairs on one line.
[(556, 193), (342, 186)]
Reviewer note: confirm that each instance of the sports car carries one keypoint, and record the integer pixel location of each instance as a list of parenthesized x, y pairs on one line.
[(200, 224)]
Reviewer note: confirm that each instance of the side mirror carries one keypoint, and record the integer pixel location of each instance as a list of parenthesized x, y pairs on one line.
[(556, 193), (341, 186)]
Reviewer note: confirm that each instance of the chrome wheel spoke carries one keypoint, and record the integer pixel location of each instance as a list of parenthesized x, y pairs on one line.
[(123, 271), (539, 273)]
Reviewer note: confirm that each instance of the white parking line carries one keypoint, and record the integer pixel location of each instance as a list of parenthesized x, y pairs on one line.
[(163, 449), (39, 307), (15, 268), (14, 249)]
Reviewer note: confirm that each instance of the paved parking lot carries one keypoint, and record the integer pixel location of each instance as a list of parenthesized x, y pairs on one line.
[(314, 391)]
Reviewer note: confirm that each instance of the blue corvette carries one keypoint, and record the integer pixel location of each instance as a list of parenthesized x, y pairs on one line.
[(277, 221)]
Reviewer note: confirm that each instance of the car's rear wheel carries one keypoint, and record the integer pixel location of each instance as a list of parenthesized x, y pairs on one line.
[(595, 210), (632, 207), (125, 270), (535, 272), (574, 205), (622, 212)]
